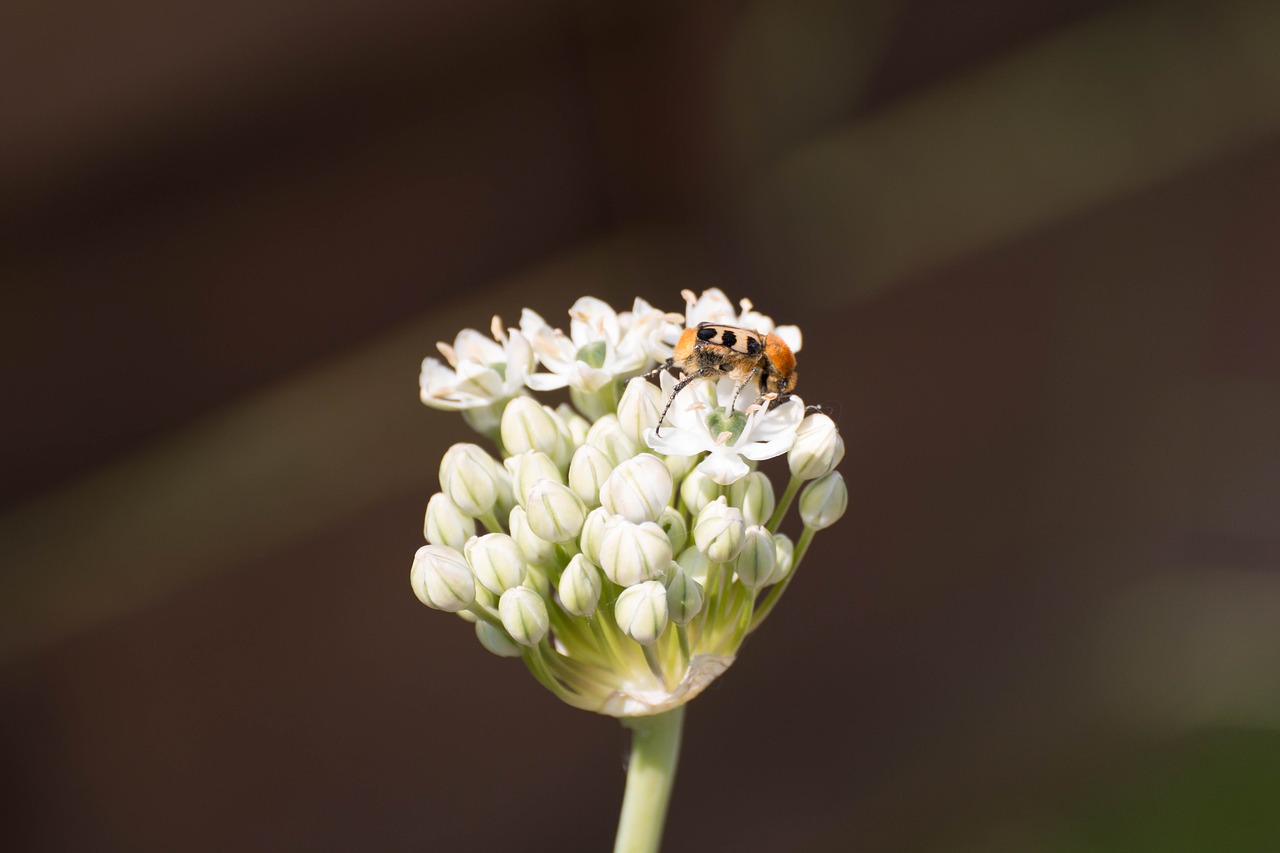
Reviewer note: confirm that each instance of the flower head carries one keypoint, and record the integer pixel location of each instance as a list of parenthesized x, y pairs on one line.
[(623, 566)]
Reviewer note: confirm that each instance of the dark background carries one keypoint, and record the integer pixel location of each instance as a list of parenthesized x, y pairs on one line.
[(1032, 247)]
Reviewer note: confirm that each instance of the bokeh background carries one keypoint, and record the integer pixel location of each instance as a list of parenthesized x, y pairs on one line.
[(1032, 246)]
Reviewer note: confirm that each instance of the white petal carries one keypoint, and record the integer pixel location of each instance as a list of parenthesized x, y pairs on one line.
[(790, 336), (724, 468), (472, 346), (677, 442), (546, 381)]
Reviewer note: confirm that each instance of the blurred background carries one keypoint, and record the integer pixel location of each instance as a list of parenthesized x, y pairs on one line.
[(1032, 247)]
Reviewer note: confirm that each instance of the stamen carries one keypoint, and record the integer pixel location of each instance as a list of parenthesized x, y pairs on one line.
[(496, 329), (449, 355), (723, 437)]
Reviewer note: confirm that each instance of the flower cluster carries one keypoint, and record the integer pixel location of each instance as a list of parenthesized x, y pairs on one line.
[(623, 565)]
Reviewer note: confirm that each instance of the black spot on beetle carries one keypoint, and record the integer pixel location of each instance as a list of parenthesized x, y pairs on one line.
[(753, 346), (706, 333), (728, 338)]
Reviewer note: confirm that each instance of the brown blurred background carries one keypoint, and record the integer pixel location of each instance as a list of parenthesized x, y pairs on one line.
[(1033, 248)]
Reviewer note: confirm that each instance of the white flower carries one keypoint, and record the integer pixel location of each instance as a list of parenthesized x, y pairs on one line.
[(756, 561), (596, 350), (631, 553), (480, 372), (580, 586), (554, 512), (718, 531), (695, 424)]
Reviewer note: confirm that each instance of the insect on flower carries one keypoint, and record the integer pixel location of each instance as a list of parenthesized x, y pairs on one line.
[(712, 350)]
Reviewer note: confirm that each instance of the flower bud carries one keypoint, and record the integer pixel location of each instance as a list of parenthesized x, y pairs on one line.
[(588, 470), (684, 596), (823, 501), (529, 425), (577, 425), (784, 556), (529, 466), (632, 553), (524, 615), (445, 524), (639, 408), (496, 640), (639, 489), (641, 611), (555, 513), (580, 586), (673, 524), (608, 436), (593, 533), (758, 559), (818, 448), (469, 476), (497, 562), (442, 579), (754, 495), (536, 550), (697, 491), (718, 531), (694, 563)]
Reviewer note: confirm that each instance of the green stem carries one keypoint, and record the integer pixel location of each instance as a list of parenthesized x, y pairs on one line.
[(784, 504), (655, 751)]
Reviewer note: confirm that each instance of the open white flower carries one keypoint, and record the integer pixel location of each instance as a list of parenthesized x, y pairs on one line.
[(696, 424), (480, 373), (597, 348)]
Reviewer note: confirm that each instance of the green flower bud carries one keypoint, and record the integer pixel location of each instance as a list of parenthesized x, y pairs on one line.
[(588, 470), (580, 586), (555, 513), (526, 467), (632, 553), (442, 579), (639, 408), (496, 561), (496, 640), (536, 550), (697, 491), (694, 563), (593, 533), (528, 425), (445, 524), (684, 596), (818, 448), (641, 611), (824, 501), (756, 562), (784, 555), (639, 489), (673, 524), (718, 531), (753, 494), (470, 478), (608, 436), (524, 615)]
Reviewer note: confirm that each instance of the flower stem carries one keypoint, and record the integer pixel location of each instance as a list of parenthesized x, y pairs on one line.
[(655, 751), (784, 503)]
